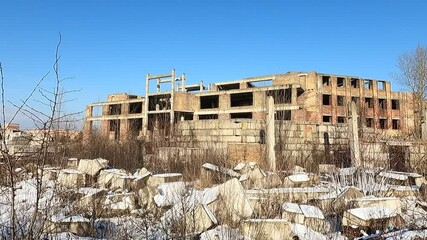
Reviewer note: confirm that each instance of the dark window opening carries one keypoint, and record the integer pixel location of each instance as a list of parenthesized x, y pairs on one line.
[(300, 91), (114, 125), (395, 124), (355, 100), (241, 115), (369, 102), (340, 119), (382, 103), (369, 122), (208, 116), (115, 109), (135, 126), (355, 83), (241, 99), (281, 95), (368, 84), (283, 115), (327, 119), (381, 85), (326, 99), (340, 100), (231, 86), (159, 102), (326, 81), (135, 107), (340, 82), (383, 123), (209, 102), (395, 104)]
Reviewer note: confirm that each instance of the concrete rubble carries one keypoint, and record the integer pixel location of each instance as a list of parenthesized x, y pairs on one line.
[(247, 202)]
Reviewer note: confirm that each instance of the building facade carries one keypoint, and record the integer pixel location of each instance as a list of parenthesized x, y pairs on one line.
[(299, 97)]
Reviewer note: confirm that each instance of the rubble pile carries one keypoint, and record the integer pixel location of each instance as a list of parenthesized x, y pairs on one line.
[(245, 202)]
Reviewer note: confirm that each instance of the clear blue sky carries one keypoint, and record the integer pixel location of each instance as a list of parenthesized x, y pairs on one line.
[(109, 46)]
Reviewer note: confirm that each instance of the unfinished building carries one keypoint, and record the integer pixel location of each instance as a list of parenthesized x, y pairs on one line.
[(309, 107)]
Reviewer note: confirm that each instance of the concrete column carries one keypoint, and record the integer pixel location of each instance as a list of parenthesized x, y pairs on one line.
[(354, 137), (294, 95), (270, 136), (147, 89), (183, 82), (424, 125), (172, 112), (87, 130)]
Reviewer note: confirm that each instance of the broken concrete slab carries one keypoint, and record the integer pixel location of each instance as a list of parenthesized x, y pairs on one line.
[(307, 215), (200, 219), (71, 178), (327, 168), (211, 173), (297, 180), (245, 167), (392, 203), (114, 179), (77, 225), (157, 179), (169, 193), (92, 166), (372, 218), (232, 201), (119, 204), (296, 195), (92, 198), (266, 229)]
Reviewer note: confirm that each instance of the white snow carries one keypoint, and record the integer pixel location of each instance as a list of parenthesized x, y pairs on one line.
[(393, 176), (291, 207), (368, 213), (299, 178), (311, 211), (169, 193)]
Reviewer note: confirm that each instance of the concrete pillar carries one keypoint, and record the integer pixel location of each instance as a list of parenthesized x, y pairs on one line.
[(172, 112), (270, 136), (424, 125), (354, 137), (183, 82), (88, 124), (147, 89)]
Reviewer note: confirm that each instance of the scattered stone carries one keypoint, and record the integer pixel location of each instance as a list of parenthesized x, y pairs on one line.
[(92, 166), (77, 225), (157, 179), (169, 193), (71, 178)]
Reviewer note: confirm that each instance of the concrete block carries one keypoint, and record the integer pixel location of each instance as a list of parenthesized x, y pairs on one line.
[(71, 178), (92, 167)]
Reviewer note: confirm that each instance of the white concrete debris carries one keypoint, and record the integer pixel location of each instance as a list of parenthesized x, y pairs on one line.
[(71, 178), (169, 193), (92, 166)]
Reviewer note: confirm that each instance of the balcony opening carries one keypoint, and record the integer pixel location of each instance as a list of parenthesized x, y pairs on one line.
[(326, 99), (283, 115), (159, 102), (115, 127), (369, 102), (381, 85), (341, 100), (395, 104), (135, 107), (327, 119), (208, 116), (247, 115), (382, 103), (241, 99), (383, 123), (369, 122), (368, 84), (355, 83), (326, 81), (341, 119), (340, 82), (207, 102), (281, 95), (395, 124), (135, 126), (115, 109)]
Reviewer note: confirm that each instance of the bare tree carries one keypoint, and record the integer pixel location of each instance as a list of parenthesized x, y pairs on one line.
[(413, 73)]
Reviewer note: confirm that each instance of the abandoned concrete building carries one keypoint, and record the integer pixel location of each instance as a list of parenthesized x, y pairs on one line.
[(309, 108)]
